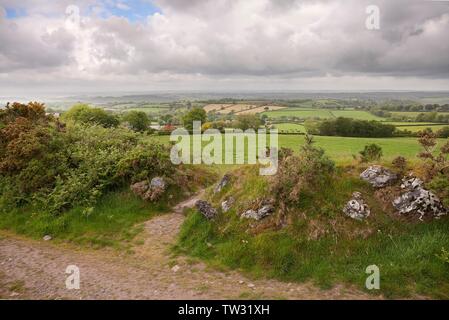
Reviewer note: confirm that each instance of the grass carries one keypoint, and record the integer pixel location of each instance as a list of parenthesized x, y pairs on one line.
[(342, 149), (300, 113), (305, 113), (434, 128), (406, 253), (113, 222), (356, 114), (290, 127)]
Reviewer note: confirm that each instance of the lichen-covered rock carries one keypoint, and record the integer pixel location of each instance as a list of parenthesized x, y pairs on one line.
[(223, 182), (206, 209), (227, 204), (261, 213), (140, 188), (378, 176), (149, 191), (356, 208), (417, 200)]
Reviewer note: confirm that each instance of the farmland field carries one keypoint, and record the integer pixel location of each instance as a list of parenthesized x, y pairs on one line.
[(290, 127), (356, 114), (421, 128), (300, 113), (322, 114), (239, 108), (342, 149)]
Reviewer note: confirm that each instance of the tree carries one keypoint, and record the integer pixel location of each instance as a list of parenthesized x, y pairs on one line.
[(247, 121), (85, 114), (196, 114), (137, 120)]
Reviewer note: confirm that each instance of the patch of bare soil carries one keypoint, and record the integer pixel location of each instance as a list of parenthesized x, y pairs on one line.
[(32, 269)]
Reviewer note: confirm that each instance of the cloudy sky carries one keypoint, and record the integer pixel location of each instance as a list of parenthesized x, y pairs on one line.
[(70, 46)]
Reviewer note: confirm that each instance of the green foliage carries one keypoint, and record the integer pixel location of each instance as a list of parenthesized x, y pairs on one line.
[(84, 114), (303, 173), (137, 120), (55, 170), (347, 127), (370, 153), (196, 114), (443, 132), (247, 121)]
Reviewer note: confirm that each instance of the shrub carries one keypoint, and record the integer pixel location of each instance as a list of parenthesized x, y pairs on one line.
[(443, 132), (370, 153), (400, 163), (84, 114), (305, 172)]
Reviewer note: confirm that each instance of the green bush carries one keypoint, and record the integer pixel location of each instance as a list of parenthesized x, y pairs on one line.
[(346, 127), (84, 114), (137, 120), (370, 153)]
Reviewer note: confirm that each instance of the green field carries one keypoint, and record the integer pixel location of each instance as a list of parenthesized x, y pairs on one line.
[(342, 149), (305, 113), (300, 113), (290, 127), (422, 128), (411, 114), (355, 114)]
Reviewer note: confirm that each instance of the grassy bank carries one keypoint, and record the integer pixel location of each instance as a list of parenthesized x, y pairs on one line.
[(319, 243)]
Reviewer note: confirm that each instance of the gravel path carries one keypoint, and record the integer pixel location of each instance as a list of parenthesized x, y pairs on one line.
[(31, 269)]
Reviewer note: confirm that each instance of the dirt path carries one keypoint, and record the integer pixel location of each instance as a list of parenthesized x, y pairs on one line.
[(36, 270)]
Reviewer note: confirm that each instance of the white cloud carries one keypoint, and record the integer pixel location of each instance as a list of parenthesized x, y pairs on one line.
[(228, 42)]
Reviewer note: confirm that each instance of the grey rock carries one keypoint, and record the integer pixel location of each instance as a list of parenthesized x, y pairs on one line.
[(223, 182), (378, 176), (417, 200), (157, 183), (227, 204), (206, 209), (356, 208), (140, 188), (47, 238), (261, 213)]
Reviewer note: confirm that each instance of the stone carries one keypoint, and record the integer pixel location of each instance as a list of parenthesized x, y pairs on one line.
[(378, 177), (417, 200), (47, 238), (261, 213), (227, 204), (155, 190), (206, 209), (223, 182), (175, 268), (140, 188), (356, 208)]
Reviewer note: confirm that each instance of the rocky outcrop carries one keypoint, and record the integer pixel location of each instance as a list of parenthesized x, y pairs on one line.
[(227, 204), (259, 214), (206, 209), (356, 208), (149, 191), (417, 200), (378, 177), (223, 182)]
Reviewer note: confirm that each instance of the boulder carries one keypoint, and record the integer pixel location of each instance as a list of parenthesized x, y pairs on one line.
[(140, 188), (206, 209), (227, 204), (261, 213), (378, 177), (356, 208), (149, 191), (223, 182), (417, 200)]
